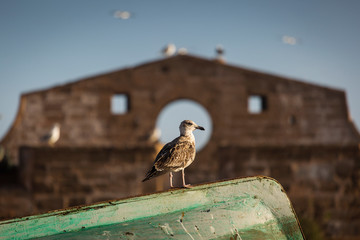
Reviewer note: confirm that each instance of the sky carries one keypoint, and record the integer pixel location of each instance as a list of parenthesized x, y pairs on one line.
[(44, 43)]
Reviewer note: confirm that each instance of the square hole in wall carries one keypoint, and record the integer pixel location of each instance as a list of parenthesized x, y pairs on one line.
[(257, 104), (119, 104)]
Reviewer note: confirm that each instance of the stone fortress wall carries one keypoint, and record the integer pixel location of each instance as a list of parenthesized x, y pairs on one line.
[(301, 135)]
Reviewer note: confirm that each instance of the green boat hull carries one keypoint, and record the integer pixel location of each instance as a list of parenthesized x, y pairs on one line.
[(245, 208)]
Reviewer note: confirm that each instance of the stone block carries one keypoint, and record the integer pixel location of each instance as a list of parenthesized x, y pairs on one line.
[(48, 203)]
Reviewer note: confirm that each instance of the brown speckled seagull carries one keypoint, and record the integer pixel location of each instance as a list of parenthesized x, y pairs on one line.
[(177, 154)]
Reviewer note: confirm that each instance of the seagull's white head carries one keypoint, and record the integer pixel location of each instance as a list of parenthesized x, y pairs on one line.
[(188, 126)]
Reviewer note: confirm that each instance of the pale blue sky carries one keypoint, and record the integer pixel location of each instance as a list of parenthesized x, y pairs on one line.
[(50, 42)]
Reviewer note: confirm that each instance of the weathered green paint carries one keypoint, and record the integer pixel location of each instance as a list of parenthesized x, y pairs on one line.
[(246, 208)]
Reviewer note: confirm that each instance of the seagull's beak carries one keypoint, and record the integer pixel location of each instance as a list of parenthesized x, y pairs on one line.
[(200, 128)]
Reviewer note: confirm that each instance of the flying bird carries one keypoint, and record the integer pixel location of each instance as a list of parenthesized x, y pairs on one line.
[(122, 15), (53, 136), (176, 155)]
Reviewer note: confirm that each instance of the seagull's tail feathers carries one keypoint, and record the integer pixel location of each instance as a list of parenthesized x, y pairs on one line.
[(153, 173)]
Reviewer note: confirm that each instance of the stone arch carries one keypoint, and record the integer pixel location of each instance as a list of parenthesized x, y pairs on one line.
[(169, 118), (173, 96)]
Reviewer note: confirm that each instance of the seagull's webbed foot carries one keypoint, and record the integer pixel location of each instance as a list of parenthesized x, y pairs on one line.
[(187, 186)]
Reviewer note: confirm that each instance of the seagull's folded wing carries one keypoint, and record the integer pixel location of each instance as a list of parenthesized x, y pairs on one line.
[(175, 156)]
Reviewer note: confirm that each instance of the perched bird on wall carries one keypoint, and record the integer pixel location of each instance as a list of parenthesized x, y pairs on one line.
[(219, 49), (169, 50), (154, 136), (176, 155), (53, 136), (182, 51)]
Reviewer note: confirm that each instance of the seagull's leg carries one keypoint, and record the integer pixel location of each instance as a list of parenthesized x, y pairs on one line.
[(183, 179), (171, 178)]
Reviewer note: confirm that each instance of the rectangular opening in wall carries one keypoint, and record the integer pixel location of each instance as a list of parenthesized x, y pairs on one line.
[(119, 104), (257, 104)]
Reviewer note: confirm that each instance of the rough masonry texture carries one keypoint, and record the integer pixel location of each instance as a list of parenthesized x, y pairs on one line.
[(302, 136)]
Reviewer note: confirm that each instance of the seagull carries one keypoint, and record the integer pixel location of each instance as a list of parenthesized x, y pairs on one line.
[(182, 51), (53, 136), (219, 49), (122, 14), (155, 135), (177, 154), (169, 50)]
